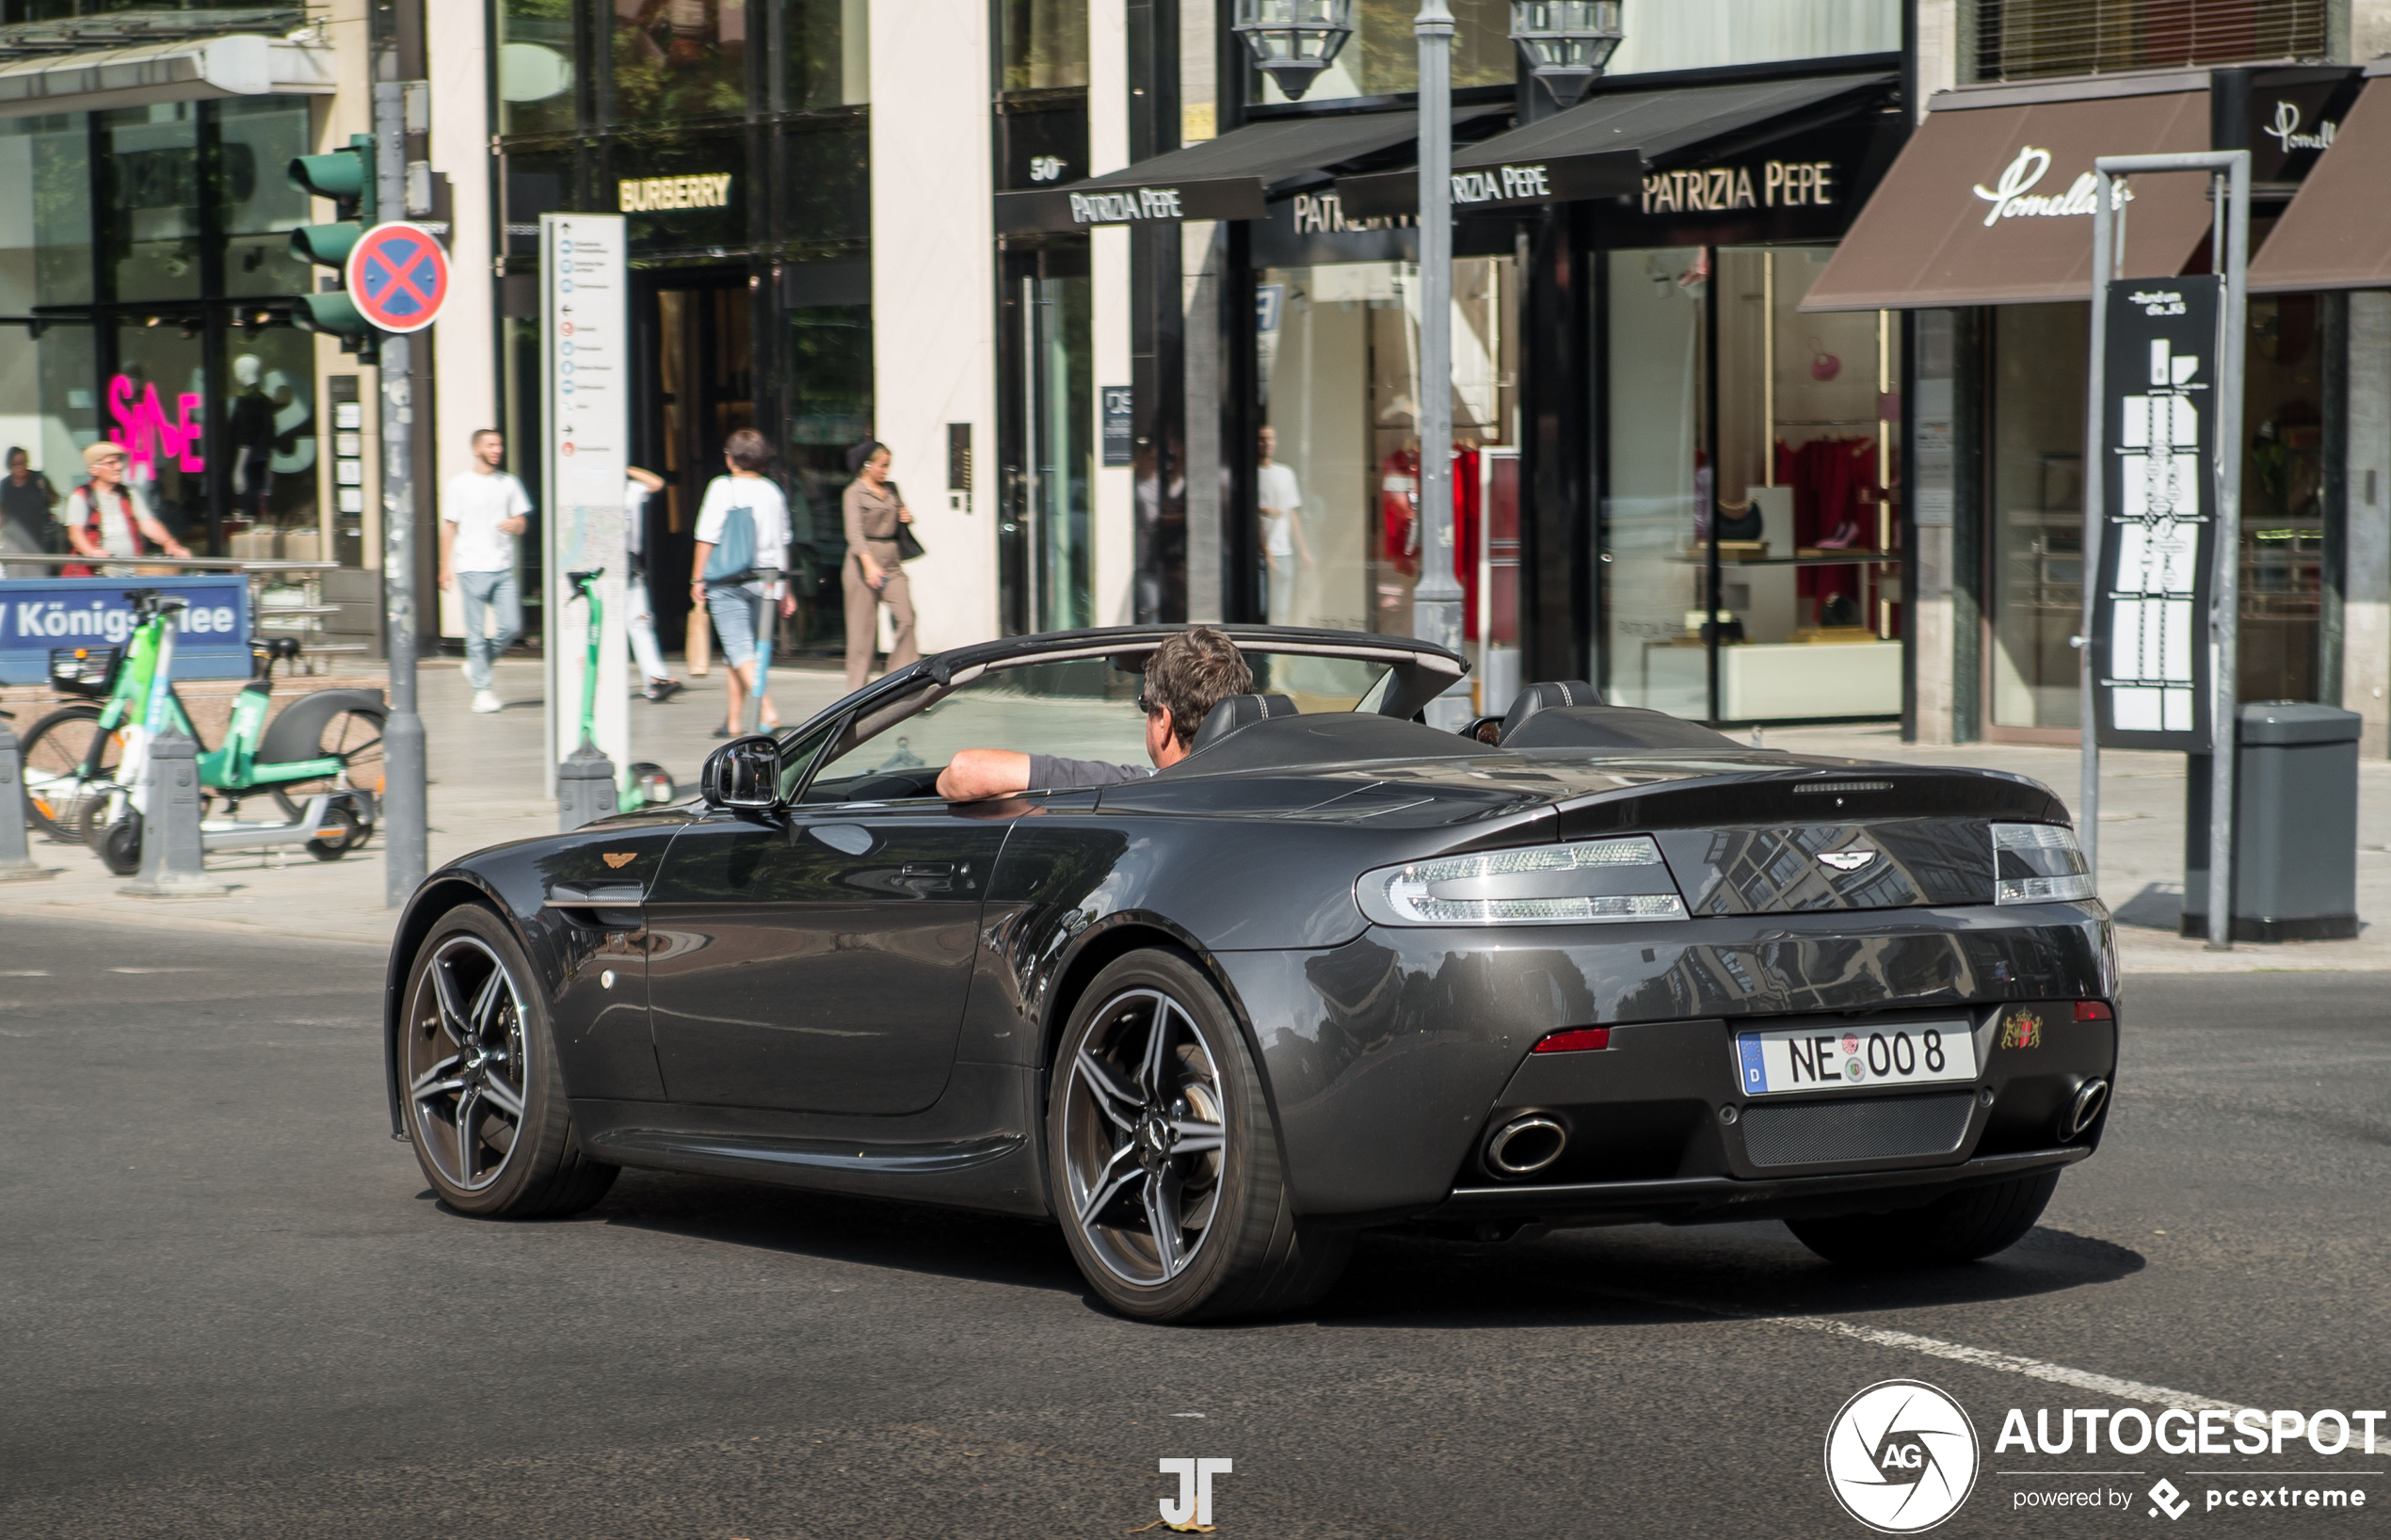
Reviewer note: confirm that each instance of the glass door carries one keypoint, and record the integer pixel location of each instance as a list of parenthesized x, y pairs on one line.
[(1048, 564), (699, 348)]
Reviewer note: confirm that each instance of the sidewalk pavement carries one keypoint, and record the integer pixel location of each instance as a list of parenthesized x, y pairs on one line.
[(487, 788)]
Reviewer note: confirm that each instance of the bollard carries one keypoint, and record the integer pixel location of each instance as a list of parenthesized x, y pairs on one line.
[(585, 788), (16, 865), (172, 865)]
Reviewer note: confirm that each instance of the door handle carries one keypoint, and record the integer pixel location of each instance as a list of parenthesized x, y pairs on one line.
[(927, 869)]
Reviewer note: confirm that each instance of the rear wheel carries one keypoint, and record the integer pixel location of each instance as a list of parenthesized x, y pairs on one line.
[(1961, 1226), (55, 752), (355, 738), (1164, 1158), (112, 828), (486, 1105), (337, 835)]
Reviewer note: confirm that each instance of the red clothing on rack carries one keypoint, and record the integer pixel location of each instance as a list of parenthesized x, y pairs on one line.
[(1834, 482)]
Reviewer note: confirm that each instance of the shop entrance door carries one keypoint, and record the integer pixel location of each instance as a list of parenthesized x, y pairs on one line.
[(1048, 555), (696, 344)]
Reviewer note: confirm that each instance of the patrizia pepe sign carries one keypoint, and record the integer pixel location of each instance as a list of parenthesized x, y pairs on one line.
[(2013, 195)]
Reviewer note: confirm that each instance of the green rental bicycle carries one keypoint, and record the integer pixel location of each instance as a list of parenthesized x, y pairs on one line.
[(83, 762)]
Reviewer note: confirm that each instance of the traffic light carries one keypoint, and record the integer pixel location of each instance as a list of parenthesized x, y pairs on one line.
[(346, 177)]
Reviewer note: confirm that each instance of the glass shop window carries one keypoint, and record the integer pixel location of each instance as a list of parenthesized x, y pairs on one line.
[(1786, 484), (533, 66), (826, 52), (259, 206), (677, 59), (1045, 44), (153, 162), (2040, 353), (1337, 467)]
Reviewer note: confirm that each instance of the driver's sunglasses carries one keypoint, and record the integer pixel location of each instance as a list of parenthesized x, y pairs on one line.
[(1146, 707)]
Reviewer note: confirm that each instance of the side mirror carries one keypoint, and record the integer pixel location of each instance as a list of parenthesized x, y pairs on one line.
[(744, 774)]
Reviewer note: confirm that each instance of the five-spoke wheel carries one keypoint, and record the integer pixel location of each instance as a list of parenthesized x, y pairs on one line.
[(1144, 1138), (486, 1106), (1164, 1163), (465, 1062)]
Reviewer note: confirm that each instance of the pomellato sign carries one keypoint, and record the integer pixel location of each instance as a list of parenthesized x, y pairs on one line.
[(2013, 194)]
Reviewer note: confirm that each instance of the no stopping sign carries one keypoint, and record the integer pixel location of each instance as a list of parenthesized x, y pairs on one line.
[(398, 277)]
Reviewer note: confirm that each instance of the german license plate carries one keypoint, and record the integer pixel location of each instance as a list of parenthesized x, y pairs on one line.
[(1822, 1058)]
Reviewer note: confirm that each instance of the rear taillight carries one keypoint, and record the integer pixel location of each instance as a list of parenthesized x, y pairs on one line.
[(1575, 1040), (2094, 1010), (1569, 883), (2038, 863)]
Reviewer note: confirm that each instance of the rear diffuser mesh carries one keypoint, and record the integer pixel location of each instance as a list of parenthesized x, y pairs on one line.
[(1879, 1129)]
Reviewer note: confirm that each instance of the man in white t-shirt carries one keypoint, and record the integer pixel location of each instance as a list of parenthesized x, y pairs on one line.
[(640, 612), (482, 510), (1282, 509)]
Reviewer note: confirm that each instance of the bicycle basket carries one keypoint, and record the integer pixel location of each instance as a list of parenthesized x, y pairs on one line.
[(84, 670)]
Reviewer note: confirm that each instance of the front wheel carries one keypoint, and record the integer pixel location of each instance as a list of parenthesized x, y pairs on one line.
[(1961, 1226), (55, 752), (112, 828), (485, 1097), (1165, 1157)]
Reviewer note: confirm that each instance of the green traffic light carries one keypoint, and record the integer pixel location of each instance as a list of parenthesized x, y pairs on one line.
[(335, 313), (328, 244)]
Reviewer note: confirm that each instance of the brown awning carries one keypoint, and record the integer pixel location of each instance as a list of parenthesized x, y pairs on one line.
[(2337, 234), (1991, 201)]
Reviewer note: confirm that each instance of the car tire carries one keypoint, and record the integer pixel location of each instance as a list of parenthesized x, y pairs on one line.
[(1185, 1131), (485, 1097), (1961, 1226)]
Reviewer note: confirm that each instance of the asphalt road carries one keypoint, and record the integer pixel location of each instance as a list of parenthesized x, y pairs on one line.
[(228, 1305)]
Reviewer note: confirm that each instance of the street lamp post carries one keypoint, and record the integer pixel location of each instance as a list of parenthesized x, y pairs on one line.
[(1435, 603)]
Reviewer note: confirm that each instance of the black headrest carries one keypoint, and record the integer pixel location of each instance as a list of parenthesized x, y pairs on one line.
[(1613, 728), (1537, 698), (1236, 712)]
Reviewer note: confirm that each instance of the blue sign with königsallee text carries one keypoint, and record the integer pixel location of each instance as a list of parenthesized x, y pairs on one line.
[(36, 615)]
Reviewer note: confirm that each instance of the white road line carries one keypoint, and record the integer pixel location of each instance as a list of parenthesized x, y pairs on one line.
[(1934, 1347), (2007, 1363)]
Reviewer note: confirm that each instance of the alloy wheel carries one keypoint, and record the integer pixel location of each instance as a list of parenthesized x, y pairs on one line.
[(1144, 1137), (466, 1067)]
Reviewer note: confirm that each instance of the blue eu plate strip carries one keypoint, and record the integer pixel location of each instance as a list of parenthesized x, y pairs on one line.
[(1755, 1074)]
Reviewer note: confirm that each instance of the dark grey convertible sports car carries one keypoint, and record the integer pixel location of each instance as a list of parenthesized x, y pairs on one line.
[(1334, 969)]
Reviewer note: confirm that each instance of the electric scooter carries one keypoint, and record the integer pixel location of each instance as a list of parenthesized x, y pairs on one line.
[(110, 804), (646, 784)]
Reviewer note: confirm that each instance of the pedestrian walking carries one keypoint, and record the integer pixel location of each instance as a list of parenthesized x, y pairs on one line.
[(26, 498), (107, 516), (872, 574), (742, 542), (483, 509), (639, 610)]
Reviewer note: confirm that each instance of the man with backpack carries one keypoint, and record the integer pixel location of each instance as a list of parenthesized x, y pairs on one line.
[(482, 510), (743, 540)]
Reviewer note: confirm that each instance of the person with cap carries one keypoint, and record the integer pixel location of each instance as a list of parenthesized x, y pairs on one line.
[(109, 517)]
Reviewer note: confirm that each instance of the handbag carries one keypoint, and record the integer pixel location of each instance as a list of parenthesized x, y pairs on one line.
[(733, 557), (908, 544)]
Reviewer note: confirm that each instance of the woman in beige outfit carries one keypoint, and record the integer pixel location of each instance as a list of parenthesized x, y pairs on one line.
[(872, 575)]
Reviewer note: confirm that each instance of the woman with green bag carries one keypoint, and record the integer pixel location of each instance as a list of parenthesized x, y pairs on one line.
[(743, 542)]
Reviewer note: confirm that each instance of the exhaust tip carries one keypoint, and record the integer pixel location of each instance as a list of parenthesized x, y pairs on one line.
[(1526, 1146), (2089, 1098)]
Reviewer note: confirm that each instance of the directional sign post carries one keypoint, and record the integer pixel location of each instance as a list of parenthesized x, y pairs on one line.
[(398, 277)]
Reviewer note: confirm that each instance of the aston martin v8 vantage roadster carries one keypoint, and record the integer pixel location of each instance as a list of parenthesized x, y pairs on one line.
[(1335, 969)]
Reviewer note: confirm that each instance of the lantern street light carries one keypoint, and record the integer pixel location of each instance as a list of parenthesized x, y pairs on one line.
[(1566, 42), (1293, 40)]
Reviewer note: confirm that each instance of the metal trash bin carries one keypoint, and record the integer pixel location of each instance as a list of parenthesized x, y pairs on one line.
[(2295, 863)]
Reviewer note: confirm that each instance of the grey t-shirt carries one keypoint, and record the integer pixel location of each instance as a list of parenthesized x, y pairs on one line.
[(1051, 771)]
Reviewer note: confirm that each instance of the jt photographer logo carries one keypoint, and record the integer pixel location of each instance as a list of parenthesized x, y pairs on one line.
[(1900, 1456)]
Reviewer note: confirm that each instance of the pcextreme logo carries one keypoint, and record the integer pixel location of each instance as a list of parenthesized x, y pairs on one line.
[(1900, 1456)]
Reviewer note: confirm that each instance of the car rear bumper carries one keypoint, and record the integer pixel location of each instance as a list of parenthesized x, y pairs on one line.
[(1390, 1059)]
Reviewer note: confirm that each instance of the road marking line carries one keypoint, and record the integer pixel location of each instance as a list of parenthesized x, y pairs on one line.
[(2008, 1363), (1934, 1347)]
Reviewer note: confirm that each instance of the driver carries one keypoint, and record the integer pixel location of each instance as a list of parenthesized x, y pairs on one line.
[(1188, 675)]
